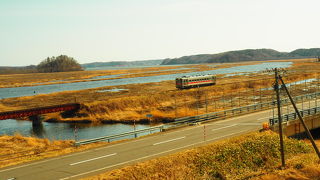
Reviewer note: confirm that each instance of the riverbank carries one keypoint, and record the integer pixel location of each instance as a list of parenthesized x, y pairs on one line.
[(18, 149), (161, 101), (250, 156)]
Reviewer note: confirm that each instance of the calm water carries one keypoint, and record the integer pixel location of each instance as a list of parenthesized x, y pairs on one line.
[(46, 89), (55, 131), (87, 131)]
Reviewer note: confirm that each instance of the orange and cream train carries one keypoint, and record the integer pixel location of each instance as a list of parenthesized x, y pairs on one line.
[(186, 82)]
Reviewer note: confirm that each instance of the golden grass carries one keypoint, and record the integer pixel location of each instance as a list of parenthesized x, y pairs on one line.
[(18, 149), (250, 156)]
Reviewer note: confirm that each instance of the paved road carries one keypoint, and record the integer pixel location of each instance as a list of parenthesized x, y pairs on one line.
[(95, 161)]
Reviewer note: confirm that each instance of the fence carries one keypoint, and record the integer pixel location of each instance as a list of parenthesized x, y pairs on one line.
[(293, 116), (200, 118)]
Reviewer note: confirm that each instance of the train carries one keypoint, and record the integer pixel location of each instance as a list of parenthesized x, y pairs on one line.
[(186, 82)]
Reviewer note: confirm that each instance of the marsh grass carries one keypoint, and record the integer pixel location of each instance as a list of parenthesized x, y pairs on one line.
[(33, 79), (18, 149)]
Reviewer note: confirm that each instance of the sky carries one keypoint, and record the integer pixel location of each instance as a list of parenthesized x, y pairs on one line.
[(127, 30)]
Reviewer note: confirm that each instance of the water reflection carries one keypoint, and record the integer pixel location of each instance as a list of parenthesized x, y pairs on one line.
[(38, 130), (63, 131)]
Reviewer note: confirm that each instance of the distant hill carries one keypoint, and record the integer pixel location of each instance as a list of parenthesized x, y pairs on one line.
[(122, 63), (243, 55), (225, 57)]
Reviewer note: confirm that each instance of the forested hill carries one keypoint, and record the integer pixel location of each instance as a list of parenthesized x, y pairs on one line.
[(243, 55)]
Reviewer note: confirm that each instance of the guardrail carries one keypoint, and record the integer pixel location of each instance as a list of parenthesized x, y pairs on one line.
[(196, 119), (131, 133), (294, 116)]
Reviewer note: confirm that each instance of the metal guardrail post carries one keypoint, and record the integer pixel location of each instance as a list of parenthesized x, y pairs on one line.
[(271, 121)]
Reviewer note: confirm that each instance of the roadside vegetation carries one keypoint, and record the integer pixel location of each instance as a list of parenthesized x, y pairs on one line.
[(250, 156), (18, 149)]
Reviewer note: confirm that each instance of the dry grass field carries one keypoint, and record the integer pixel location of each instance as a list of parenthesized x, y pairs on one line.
[(160, 99), (18, 149)]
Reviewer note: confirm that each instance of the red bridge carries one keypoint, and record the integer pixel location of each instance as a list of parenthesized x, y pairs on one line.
[(38, 111)]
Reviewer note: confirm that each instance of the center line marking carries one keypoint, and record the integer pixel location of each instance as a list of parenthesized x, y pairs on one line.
[(169, 140), (224, 127), (92, 159), (250, 124)]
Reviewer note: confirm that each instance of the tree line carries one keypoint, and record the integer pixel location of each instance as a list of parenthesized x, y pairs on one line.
[(61, 63)]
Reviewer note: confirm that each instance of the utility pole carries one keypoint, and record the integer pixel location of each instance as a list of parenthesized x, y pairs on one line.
[(75, 133), (231, 97), (223, 100), (134, 128), (204, 132), (276, 88), (175, 106), (239, 97), (198, 100), (206, 99), (260, 96), (301, 120)]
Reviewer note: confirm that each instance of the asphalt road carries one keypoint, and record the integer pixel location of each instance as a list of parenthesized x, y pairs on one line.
[(95, 161)]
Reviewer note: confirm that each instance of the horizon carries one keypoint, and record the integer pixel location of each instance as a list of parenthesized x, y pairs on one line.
[(100, 31)]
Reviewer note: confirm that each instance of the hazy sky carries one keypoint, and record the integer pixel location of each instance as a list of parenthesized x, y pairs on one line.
[(111, 30)]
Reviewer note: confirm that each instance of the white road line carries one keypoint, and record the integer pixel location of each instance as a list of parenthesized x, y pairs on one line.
[(226, 135), (107, 167), (223, 127), (249, 124), (45, 160), (92, 159), (169, 140), (238, 117)]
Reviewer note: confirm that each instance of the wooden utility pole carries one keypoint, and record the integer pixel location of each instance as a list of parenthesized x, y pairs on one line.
[(206, 101), (301, 120), (175, 106), (276, 88)]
